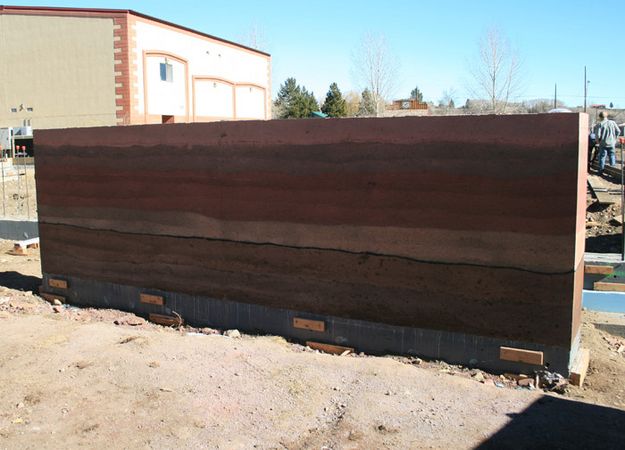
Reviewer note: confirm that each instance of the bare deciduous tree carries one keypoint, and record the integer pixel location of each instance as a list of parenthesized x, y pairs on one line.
[(496, 72), (254, 37), (375, 67), (352, 100), (448, 98)]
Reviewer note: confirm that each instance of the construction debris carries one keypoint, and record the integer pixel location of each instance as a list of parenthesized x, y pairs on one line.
[(550, 381), (20, 248), (235, 334)]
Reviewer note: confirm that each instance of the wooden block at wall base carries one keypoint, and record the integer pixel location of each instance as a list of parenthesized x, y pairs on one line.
[(607, 286), (580, 367), (521, 355), (598, 269), (329, 348), (151, 299), (56, 283), (167, 321), (306, 324)]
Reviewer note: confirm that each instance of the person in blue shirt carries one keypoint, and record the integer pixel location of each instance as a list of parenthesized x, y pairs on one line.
[(592, 153), (607, 133)]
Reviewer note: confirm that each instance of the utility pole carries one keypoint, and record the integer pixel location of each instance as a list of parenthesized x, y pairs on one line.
[(555, 97), (585, 88), (622, 142)]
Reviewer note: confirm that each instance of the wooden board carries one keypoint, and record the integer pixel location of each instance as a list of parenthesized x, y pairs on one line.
[(29, 243), (605, 197), (168, 321), (151, 299), (598, 258), (598, 269), (598, 183), (312, 325), (51, 297), (56, 283), (521, 355), (580, 367), (20, 248), (18, 251), (329, 348), (609, 286), (600, 189)]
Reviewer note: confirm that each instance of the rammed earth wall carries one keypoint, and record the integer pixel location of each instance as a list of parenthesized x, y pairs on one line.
[(445, 237)]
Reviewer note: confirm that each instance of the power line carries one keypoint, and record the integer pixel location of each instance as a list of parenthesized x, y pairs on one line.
[(570, 95)]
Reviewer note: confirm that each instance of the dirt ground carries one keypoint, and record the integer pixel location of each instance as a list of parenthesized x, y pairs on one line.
[(604, 229), (73, 377)]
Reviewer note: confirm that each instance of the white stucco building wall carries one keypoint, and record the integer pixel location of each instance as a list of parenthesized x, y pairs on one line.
[(210, 79)]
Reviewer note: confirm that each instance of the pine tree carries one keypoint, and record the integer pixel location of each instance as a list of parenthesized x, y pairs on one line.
[(287, 91), (305, 104), (334, 105), (367, 104), (294, 102), (451, 104), (416, 94), (286, 99)]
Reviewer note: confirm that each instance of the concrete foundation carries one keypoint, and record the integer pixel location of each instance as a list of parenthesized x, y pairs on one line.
[(18, 230), (370, 337)]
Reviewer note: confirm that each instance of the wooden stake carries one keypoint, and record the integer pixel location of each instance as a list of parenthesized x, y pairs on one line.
[(579, 368), (329, 348), (51, 297), (167, 321)]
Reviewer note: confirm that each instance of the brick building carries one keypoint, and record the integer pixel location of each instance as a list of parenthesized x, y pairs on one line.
[(76, 67)]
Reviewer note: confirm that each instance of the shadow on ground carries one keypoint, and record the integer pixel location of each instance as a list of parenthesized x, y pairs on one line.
[(597, 207), (609, 243), (614, 330), (16, 280), (554, 423)]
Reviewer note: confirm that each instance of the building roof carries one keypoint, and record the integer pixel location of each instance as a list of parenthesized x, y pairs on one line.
[(49, 10)]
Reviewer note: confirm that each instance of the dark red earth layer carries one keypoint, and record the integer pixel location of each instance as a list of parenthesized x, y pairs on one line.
[(489, 173), (401, 199), (504, 303), (534, 131)]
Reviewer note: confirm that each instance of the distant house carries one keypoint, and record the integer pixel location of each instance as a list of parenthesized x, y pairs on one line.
[(406, 107), (407, 104), (76, 67)]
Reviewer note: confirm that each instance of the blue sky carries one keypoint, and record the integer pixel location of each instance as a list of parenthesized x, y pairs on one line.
[(433, 41)]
